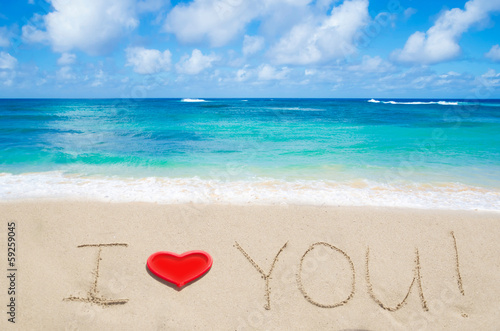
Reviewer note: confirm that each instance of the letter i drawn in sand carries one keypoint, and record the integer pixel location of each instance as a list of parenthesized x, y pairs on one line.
[(457, 262), (93, 294)]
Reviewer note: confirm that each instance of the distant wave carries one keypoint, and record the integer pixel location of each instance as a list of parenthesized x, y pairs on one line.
[(297, 108), (486, 104), (443, 103), (193, 100)]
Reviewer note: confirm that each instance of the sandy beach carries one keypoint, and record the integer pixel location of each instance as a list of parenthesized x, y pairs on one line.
[(249, 165), (343, 268)]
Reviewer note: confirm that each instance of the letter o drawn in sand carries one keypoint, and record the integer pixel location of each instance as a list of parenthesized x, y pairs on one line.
[(301, 286), (180, 269)]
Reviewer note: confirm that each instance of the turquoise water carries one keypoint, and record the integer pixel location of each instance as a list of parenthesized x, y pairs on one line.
[(228, 147)]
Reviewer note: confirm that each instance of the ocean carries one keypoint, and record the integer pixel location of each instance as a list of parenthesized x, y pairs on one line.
[(439, 154)]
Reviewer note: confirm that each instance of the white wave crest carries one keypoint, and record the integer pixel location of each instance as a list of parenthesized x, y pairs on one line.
[(193, 100), (442, 103)]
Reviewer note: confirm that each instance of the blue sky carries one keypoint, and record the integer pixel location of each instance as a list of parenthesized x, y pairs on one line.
[(250, 48)]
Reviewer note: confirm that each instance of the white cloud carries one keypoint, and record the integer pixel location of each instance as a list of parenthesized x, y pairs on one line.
[(409, 12), (313, 41), (279, 16), (151, 5), (65, 73), (31, 34), (66, 58), (440, 42), (4, 37), (450, 74), (494, 53), (7, 77), (243, 74), (267, 72), (489, 81), (196, 63), (252, 44), (492, 74), (148, 61), (218, 20), (371, 65), (7, 61), (100, 79), (310, 72), (324, 4), (92, 26)]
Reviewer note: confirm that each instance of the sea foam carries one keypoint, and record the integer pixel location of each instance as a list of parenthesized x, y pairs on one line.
[(443, 103), (267, 191), (193, 100)]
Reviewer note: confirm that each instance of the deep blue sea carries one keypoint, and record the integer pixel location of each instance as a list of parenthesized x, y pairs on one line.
[(385, 152)]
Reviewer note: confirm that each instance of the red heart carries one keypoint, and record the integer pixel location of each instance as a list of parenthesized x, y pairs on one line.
[(180, 269)]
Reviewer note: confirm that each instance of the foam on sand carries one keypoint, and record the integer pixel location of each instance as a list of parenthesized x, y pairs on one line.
[(266, 191)]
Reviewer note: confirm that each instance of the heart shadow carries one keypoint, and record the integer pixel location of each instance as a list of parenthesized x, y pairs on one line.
[(172, 285)]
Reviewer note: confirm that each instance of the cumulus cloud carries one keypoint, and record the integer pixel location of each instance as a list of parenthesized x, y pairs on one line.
[(148, 61), (221, 21), (32, 34), (267, 72), (66, 58), (88, 25), (279, 16), (195, 63), (252, 44), (314, 40), (494, 53), (217, 20), (440, 42), (7, 61)]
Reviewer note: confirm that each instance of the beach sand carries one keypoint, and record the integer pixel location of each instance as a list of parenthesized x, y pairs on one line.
[(451, 259)]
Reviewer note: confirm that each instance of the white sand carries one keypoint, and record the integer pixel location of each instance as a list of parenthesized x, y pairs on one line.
[(231, 296)]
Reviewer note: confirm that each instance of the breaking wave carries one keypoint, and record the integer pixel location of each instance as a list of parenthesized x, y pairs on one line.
[(193, 100), (443, 103)]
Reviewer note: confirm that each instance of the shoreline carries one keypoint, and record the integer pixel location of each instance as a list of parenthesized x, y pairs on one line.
[(260, 191), (448, 245), (222, 204)]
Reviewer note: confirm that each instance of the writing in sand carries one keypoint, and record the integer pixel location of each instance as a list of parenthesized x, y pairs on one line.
[(93, 296)]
